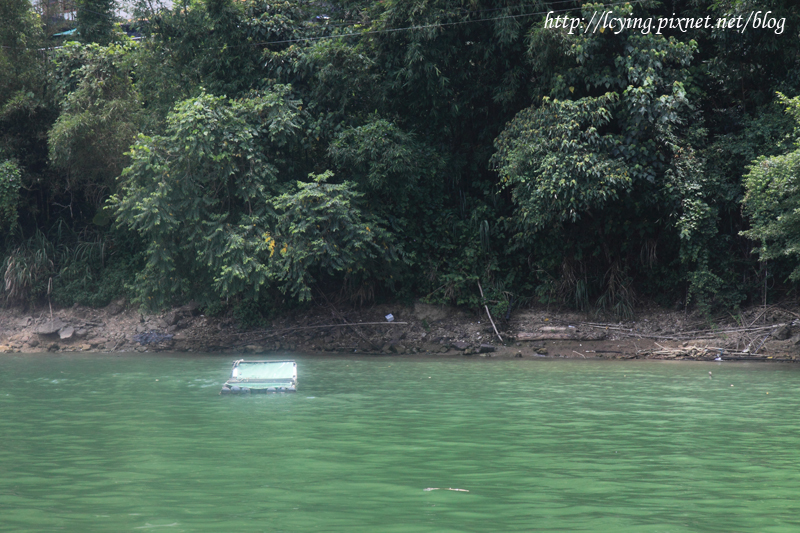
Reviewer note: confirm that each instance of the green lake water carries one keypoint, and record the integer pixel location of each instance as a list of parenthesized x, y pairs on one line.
[(133, 443)]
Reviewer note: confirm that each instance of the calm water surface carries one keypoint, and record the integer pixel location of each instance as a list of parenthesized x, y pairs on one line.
[(107, 443)]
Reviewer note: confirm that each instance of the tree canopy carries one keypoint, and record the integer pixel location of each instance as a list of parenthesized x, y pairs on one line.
[(260, 153)]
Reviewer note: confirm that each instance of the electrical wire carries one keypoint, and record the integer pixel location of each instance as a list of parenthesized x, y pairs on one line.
[(416, 27)]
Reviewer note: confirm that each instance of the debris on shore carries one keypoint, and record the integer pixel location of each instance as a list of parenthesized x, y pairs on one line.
[(759, 334)]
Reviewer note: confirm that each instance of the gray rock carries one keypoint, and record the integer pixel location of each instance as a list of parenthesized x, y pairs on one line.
[(98, 341), (192, 308), (397, 348), (115, 308), (24, 322), (458, 345), (363, 346), (66, 332), (430, 313), (80, 333), (172, 318), (50, 327), (782, 333)]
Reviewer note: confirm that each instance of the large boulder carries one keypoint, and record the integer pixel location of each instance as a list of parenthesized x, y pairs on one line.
[(782, 333), (115, 308), (50, 327), (66, 332)]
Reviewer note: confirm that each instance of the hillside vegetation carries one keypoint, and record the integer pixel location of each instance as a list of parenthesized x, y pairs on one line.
[(254, 156)]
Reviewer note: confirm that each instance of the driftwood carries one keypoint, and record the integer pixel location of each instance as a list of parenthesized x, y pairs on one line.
[(556, 329), (352, 327), (284, 330), (489, 314), (686, 335), (525, 336), (706, 353), (277, 332)]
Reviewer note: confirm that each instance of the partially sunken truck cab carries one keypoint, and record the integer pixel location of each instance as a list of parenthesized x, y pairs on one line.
[(261, 376)]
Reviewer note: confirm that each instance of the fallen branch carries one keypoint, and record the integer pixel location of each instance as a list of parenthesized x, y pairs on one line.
[(284, 330), (555, 329), (489, 314), (525, 336), (685, 335), (353, 328)]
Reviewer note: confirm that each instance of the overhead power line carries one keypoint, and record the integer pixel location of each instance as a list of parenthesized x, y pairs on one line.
[(424, 26)]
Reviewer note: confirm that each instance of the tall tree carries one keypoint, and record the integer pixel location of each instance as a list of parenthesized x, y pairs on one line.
[(96, 20)]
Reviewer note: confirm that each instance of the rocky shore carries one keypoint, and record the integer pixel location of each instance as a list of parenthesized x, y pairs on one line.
[(768, 334)]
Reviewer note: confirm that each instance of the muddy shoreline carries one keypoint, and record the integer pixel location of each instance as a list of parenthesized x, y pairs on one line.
[(764, 334)]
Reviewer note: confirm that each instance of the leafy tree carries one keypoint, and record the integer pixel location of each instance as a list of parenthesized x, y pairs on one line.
[(10, 183), (318, 230), (99, 119), (773, 200), (597, 163), (204, 185), (585, 168), (96, 20), (25, 110), (559, 164), (20, 34)]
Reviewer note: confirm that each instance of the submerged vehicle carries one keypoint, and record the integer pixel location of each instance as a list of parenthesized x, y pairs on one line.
[(261, 376)]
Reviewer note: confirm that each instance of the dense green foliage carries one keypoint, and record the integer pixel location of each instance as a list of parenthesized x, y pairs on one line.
[(259, 154), (10, 183), (96, 20), (773, 200)]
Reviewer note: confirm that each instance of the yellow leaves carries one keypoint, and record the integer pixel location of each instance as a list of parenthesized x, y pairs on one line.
[(572, 89), (270, 243), (368, 228)]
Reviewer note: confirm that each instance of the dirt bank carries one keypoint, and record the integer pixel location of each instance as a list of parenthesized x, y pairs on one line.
[(771, 334)]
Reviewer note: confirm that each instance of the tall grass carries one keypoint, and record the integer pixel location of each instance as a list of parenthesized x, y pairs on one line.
[(66, 267), (28, 269)]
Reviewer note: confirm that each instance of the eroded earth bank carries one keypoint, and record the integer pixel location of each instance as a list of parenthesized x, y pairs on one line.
[(769, 334)]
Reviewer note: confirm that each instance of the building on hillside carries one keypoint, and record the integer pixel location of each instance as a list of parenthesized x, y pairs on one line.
[(55, 11)]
